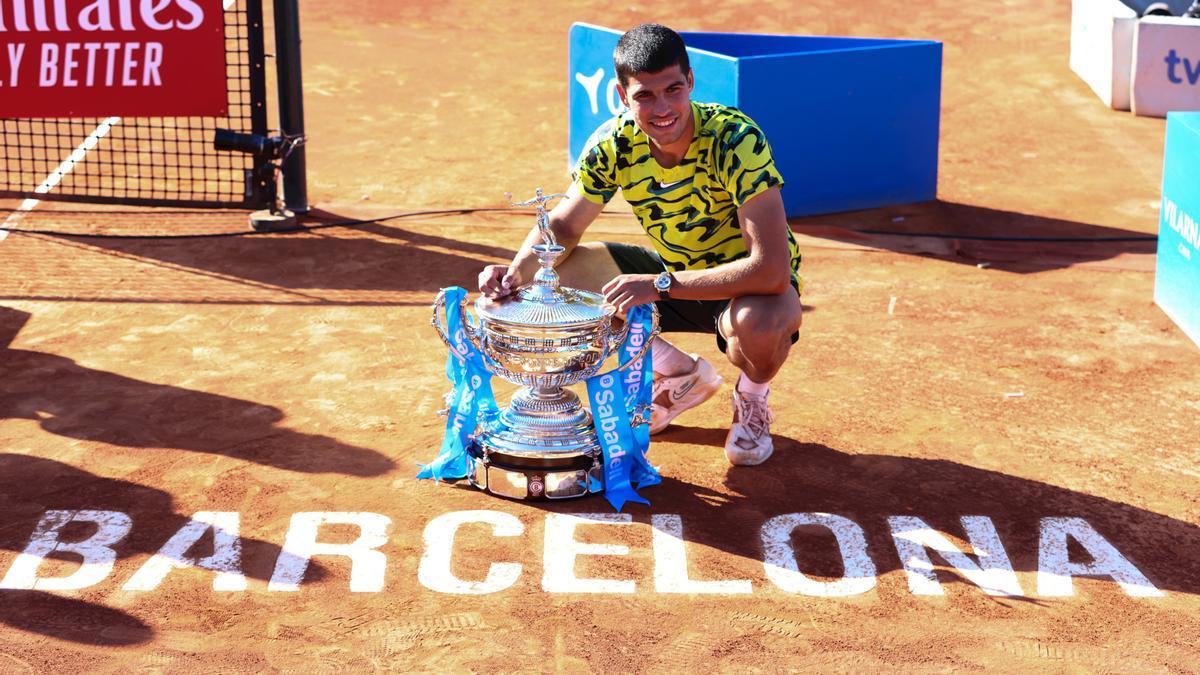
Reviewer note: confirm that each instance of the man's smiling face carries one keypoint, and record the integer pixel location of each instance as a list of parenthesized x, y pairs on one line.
[(661, 104)]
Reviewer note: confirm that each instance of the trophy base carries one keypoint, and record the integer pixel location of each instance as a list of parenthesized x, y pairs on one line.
[(542, 446), (511, 476)]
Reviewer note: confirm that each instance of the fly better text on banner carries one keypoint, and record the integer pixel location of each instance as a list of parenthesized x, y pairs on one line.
[(86, 58)]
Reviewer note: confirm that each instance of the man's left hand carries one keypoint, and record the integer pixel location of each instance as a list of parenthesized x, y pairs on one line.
[(630, 290)]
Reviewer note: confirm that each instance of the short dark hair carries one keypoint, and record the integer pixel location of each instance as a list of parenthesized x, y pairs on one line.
[(649, 48)]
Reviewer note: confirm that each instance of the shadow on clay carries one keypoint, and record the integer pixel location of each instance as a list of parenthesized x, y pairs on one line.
[(1003, 240), (74, 401)]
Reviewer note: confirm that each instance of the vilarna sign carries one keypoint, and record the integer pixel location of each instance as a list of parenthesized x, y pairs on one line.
[(1177, 271), (853, 122)]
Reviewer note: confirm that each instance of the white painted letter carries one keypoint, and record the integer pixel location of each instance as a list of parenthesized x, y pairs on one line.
[(366, 564), (15, 52), (125, 14), (70, 64), (91, 48), (60, 16), (97, 552), (561, 550), (39, 15), (49, 69), (154, 54), (779, 559), (1055, 569), (670, 562), (149, 10), (914, 539), (96, 16), (19, 22), (592, 86), (434, 571), (127, 79), (192, 9), (110, 50), (226, 558)]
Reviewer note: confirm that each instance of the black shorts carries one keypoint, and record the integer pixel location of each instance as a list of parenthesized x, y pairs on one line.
[(675, 316)]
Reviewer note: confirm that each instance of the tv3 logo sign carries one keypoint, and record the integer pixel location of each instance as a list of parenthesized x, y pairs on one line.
[(1190, 69), (591, 85)]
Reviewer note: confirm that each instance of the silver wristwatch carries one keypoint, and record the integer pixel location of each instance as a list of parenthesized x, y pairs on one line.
[(662, 284)]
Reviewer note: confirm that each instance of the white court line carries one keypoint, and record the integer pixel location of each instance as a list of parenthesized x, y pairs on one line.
[(63, 169)]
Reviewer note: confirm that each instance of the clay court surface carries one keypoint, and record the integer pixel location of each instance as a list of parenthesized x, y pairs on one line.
[(274, 375)]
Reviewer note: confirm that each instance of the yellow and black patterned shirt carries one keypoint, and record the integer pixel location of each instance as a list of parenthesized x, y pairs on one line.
[(690, 210)]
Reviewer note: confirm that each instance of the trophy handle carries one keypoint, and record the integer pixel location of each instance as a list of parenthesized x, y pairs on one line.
[(618, 338), (615, 340), (639, 414), (440, 303)]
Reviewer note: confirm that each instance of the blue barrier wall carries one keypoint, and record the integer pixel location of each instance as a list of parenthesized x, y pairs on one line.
[(1177, 271), (853, 122)]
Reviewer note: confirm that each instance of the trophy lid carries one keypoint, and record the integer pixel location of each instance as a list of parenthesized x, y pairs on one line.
[(575, 307), (546, 303)]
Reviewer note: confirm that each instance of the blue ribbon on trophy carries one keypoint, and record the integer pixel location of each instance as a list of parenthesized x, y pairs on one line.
[(470, 399), (639, 385), (624, 447)]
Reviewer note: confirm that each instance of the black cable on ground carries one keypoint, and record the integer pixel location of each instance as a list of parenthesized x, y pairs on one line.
[(240, 233), (441, 212)]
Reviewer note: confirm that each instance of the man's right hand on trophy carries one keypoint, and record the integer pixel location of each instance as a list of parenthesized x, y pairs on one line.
[(497, 281)]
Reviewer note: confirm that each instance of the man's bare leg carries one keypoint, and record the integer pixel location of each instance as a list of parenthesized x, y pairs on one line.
[(759, 332), (758, 329)]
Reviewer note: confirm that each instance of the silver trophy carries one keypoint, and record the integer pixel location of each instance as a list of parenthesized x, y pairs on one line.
[(546, 337)]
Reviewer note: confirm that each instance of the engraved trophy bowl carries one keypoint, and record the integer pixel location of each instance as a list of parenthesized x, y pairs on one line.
[(545, 337)]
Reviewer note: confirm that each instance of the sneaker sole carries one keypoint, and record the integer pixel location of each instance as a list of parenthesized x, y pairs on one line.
[(748, 463), (699, 394)]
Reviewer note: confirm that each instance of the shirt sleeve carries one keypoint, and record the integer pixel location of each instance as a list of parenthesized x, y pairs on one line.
[(596, 172), (748, 168)]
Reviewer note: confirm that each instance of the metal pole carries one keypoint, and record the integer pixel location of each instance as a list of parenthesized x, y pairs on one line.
[(291, 101)]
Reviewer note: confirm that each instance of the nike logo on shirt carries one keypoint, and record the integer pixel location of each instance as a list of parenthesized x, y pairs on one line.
[(664, 186)]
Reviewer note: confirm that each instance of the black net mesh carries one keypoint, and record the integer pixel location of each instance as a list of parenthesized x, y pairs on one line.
[(147, 160)]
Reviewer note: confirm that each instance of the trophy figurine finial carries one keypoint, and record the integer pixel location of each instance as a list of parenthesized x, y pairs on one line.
[(543, 220)]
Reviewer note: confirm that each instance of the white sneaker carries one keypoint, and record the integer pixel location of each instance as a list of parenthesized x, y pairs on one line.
[(677, 393), (749, 440)]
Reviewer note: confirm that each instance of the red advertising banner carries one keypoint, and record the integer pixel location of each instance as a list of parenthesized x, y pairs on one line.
[(100, 58)]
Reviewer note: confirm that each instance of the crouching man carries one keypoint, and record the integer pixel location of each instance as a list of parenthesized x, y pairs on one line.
[(703, 184)]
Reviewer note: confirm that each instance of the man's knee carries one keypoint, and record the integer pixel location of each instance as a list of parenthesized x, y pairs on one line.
[(761, 331), (766, 322), (763, 351)]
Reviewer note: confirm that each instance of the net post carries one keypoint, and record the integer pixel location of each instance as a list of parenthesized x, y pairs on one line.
[(260, 183), (291, 101)]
